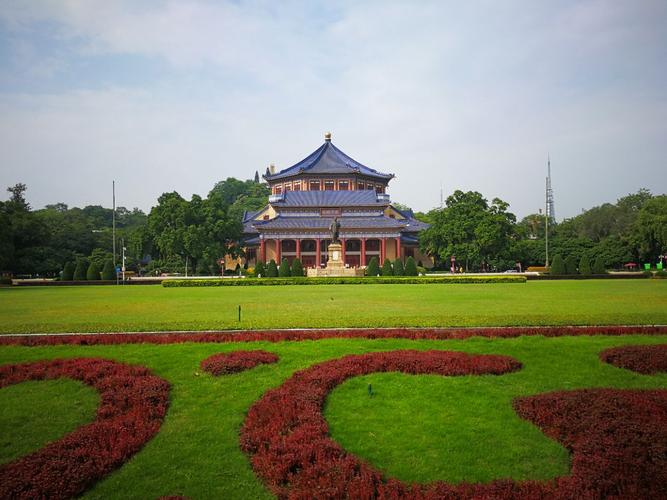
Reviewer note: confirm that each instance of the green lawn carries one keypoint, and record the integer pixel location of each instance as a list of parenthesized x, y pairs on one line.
[(147, 308), (415, 427)]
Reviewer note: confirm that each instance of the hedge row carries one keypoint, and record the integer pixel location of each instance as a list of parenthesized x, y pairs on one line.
[(368, 280), (645, 359), (237, 361), (288, 438), (31, 340), (133, 403), (134, 281), (633, 276)]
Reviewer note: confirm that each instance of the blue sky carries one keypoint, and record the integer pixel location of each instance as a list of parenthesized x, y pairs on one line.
[(176, 95)]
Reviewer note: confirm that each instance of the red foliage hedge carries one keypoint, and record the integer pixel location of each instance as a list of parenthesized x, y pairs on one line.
[(646, 359), (237, 361), (618, 438), (133, 403), (297, 335)]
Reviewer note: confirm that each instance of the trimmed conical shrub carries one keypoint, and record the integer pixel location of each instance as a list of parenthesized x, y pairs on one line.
[(584, 266), (272, 270), (571, 265), (557, 266), (284, 271), (373, 268), (598, 266), (410, 267), (108, 271), (387, 269), (68, 272), (80, 270), (399, 270), (260, 270), (297, 268), (93, 272)]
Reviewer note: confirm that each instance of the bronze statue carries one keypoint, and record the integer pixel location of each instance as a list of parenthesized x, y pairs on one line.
[(334, 228)]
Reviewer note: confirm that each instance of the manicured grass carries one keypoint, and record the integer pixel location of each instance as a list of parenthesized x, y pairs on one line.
[(35, 413), (401, 430), (147, 308)]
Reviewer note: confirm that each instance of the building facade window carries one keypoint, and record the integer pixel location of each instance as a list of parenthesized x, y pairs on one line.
[(297, 186), (328, 185), (314, 186), (361, 185), (343, 185), (370, 187)]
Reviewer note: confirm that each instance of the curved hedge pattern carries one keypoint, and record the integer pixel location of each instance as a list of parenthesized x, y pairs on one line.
[(645, 359), (132, 407), (237, 361), (287, 435), (347, 333), (618, 438)]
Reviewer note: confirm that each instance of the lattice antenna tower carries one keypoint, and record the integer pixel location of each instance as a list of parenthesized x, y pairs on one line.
[(550, 210)]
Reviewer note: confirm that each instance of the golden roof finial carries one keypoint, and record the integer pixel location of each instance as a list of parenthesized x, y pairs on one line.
[(327, 136)]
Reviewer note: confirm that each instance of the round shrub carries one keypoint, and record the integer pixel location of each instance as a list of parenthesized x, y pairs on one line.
[(108, 271), (598, 266), (387, 269), (410, 267), (260, 270), (571, 265), (398, 268), (297, 268), (80, 270), (584, 266), (284, 271), (557, 266), (68, 272), (272, 270), (93, 272), (373, 268)]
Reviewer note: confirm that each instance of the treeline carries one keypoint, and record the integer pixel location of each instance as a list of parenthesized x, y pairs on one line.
[(486, 236), (199, 231)]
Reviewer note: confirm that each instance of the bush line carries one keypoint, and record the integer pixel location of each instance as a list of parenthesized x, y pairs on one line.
[(233, 362), (368, 280), (645, 359), (301, 335)]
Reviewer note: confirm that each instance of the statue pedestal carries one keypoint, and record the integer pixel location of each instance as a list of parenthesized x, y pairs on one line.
[(335, 264)]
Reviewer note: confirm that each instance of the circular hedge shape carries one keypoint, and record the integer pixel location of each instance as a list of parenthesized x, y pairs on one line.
[(617, 438), (645, 359), (133, 403), (237, 361)]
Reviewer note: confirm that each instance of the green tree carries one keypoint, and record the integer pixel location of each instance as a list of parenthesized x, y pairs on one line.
[(387, 269), (373, 269), (557, 266), (650, 229), (398, 268), (410, 267), (470, 228), (272, 270), (584, 266), (284, 271), (80, 270), (571, 264), (297, 268), (108, 271), (93, 272), (68, 271), (260, 270), (598, 266)]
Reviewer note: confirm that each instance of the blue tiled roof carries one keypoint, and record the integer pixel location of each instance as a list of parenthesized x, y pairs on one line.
[(363, 198), (328, 159), (324, 223)]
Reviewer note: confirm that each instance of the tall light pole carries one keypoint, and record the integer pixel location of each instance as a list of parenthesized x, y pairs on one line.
[(123, 268), (113, 221)]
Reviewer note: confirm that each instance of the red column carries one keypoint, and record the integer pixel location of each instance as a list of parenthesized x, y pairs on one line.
[(398, 248), (318, 258), (262, 251), (363, 252), (298, 249), (383, 251), (278, 260), (342, 250)]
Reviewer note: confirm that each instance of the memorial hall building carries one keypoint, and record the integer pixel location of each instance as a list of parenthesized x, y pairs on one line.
[(305, 199)]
